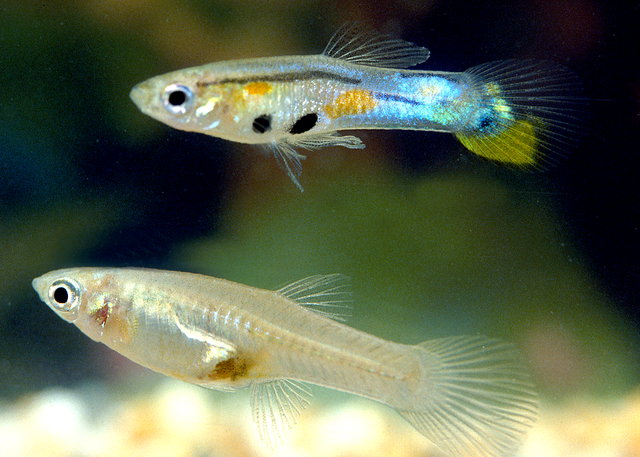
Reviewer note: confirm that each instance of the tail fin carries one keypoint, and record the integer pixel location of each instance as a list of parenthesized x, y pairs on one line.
[(533, 112), (478, 399)]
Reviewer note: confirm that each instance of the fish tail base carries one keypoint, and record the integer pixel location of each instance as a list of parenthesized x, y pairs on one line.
[(477, 398)]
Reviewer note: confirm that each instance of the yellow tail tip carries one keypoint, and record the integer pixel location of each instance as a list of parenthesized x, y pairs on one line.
[(518, 145), (533, 112)]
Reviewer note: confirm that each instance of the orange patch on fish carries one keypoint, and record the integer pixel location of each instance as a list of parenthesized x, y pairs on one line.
[(257, 88), (352, 102)]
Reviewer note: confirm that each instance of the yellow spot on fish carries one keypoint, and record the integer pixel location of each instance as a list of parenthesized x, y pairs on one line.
[(493, 89), (430, 90), (518, 144), (257, 88), (350, 103), (502, 107)]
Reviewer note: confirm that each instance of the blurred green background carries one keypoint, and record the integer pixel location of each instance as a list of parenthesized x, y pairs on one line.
[(436, 242)]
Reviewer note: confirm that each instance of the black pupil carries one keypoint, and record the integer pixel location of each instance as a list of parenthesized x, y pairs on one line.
[(304, 124), (177, 98), (61, 295), (262, 124)]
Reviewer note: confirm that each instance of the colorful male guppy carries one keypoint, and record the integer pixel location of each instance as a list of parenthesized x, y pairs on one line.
[(514, 112), (470, 395)]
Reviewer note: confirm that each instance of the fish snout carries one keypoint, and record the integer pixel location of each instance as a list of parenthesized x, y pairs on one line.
[(138, 96), (39, 285)]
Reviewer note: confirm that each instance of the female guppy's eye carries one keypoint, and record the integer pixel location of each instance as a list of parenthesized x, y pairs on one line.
[(64, 294), (177, 98)]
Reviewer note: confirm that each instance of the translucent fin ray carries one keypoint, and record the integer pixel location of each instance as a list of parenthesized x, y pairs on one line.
[(479, 400), (328, 295), (321, 140), (542, 117), (290, 161), (276, 406), (364, 47)]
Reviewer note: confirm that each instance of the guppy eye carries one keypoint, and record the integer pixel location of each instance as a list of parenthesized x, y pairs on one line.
[(177, 98), (64, 294)]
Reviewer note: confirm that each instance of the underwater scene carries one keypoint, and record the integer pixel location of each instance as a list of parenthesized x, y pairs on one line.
[(415, 236)]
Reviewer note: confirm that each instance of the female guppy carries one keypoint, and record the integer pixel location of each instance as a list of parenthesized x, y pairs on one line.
[(514, 112), (470, 395)]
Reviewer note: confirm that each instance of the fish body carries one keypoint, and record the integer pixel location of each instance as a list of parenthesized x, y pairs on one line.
[(335, 94), (514, 112), (469, 395)]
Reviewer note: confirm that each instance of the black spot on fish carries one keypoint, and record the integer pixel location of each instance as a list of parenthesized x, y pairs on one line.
[(262, 124), (304, 124), (486, 123)]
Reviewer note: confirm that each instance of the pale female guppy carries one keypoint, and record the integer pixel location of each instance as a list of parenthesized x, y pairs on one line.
[(514, 112), (470, 395)]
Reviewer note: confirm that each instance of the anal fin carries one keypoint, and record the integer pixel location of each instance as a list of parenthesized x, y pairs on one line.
[(276, 406), (290, 160)]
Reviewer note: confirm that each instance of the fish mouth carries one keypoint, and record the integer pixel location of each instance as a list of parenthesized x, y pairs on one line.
[(137, 96), (39, 285)]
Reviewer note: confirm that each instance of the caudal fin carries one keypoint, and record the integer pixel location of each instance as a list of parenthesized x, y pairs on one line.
[(477, 398), (532, 112)]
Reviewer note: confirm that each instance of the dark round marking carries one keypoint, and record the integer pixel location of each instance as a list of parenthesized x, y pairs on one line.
[(262, 124), (487, 123), (177, 98), (304, 124), (61, 295)]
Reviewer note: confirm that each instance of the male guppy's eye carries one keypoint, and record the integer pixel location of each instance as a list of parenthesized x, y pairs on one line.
[(64, 294), (177, 98)]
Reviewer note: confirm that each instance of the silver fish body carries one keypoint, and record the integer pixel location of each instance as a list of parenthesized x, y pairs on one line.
[(225, 98), (469, 395), (520, 113)]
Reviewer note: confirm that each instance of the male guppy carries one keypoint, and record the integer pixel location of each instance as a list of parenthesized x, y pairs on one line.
[(470, 395), (520, 113)]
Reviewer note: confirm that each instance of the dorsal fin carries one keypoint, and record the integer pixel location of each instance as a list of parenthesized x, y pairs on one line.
[(328, 295), (365, 47)]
